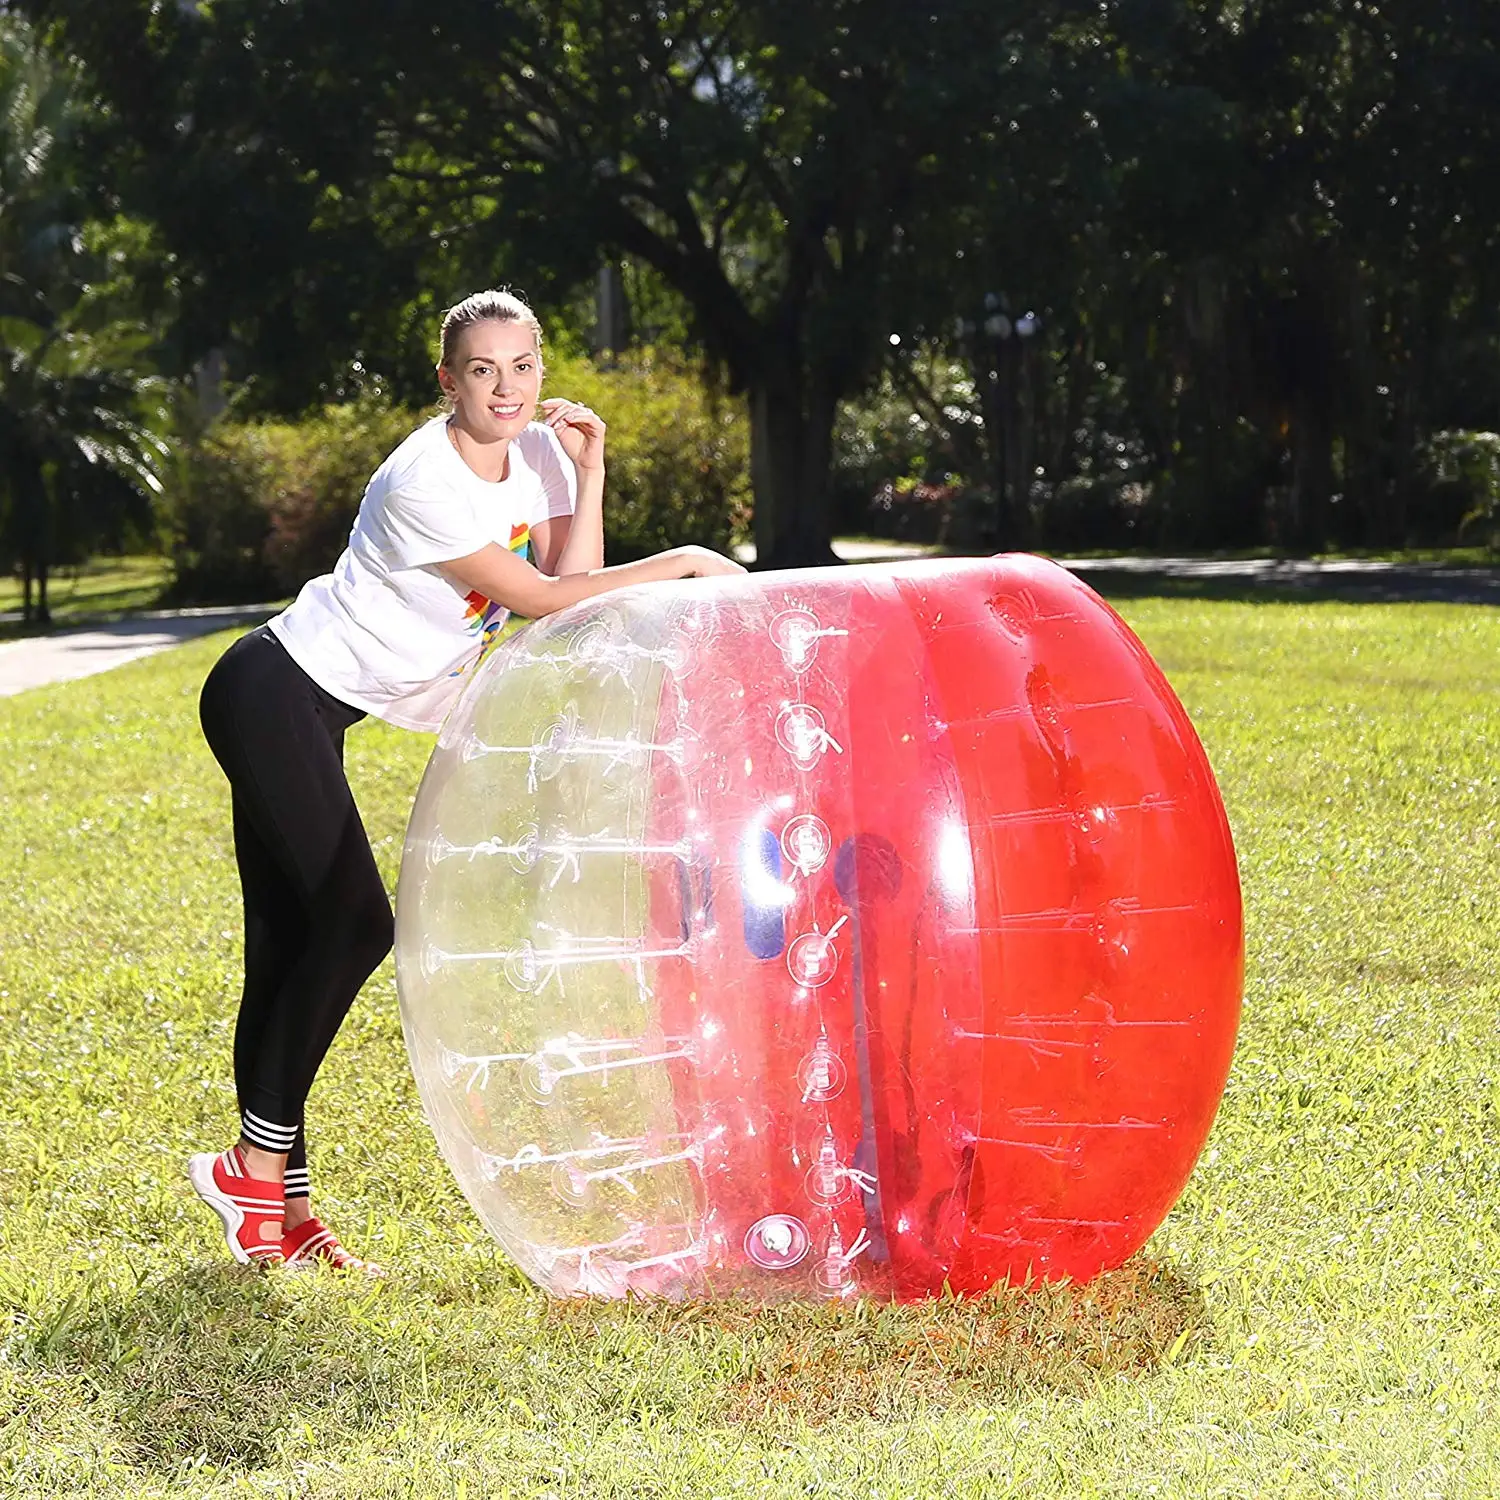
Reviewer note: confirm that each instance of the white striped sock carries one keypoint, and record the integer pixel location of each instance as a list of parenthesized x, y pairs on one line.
[(268, 1135)]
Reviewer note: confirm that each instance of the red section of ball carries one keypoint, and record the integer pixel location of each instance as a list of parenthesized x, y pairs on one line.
[(967, 1009)]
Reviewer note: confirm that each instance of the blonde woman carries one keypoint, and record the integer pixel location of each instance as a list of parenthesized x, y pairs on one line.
[(436, 560)]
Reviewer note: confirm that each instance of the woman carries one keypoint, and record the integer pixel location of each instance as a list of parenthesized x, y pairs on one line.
[(435, 562)]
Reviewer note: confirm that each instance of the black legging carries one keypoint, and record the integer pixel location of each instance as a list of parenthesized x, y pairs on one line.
[(317, 919)]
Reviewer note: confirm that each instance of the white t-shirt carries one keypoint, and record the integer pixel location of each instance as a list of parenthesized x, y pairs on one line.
[(387, 631)]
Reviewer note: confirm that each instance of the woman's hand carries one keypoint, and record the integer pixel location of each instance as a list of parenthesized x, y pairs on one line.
[(701, 562), (579, 430)]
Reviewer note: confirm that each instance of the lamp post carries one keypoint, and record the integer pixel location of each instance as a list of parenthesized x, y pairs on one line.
[(998, 351)]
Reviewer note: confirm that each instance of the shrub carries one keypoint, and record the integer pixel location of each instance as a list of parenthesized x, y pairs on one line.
[(317, 472), (1088, 513), (950, 514), (1462, 474), (259, 507), (262, 506), (211, 522), (897, 473), (678, 454)]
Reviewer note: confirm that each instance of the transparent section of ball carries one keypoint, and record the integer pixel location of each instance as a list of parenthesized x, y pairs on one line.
[(525, 956)]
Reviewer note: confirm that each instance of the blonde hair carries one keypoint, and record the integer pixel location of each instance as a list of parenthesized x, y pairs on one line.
[(485, 307)]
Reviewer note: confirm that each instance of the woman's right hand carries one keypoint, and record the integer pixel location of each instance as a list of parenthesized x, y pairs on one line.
[(702, 562)]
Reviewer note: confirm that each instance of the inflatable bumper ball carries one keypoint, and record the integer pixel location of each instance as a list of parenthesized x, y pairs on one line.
[(864, 931)]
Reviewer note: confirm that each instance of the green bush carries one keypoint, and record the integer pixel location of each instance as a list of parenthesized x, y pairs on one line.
[(261, 506), (211, 522), (1462, 474), (678, 455), (898, 473), (1090, 511), (318, 471)]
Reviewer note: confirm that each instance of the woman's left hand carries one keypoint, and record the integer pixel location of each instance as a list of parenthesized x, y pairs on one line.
[(579, 429)]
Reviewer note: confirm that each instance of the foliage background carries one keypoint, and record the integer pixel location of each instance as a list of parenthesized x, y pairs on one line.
[(1163, 274), (257, 506)]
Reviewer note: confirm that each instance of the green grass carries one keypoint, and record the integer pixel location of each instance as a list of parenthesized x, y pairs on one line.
[(102, 588), (1319, 1315)]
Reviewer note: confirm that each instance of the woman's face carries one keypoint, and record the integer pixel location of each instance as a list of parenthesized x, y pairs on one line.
[(494, 379)]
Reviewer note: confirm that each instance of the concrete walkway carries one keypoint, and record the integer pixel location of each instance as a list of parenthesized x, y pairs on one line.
[(1347, 578), (67, 654), (64, 655)]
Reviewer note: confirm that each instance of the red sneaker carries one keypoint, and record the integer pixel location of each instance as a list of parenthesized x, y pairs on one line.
[(246, 1205), (312, 1242)]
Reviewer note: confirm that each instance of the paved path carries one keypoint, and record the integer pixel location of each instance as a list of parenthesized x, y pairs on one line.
[(1348, 578), (65, 654)]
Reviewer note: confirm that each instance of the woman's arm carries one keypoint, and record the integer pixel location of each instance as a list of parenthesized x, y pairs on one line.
[(513, 583), (583, 548), (575, 544)]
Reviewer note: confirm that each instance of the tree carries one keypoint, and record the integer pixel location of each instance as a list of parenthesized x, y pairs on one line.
[(780, 165), (1268, 268), (1331, 262), (78, 420), (80, 450)]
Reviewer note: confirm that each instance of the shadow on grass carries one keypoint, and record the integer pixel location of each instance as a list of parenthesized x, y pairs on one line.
[(819, 1363), (243, 1372), (198, 1367)]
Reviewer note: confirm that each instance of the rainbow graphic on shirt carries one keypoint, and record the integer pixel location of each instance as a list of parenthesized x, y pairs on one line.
[(483, 617)]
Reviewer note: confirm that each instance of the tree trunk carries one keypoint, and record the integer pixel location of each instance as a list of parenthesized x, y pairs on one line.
[(208, 385), (1062, 461), (1318, 340), (791, 448), (33, 536), (611, 313), (1312, 473), (46, 536), (1363, 480), (1000, 407), (1409, 423), (1021, 439)]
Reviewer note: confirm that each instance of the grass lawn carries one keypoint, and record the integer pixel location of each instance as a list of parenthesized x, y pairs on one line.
[(1319, 1316), (98, 589)]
